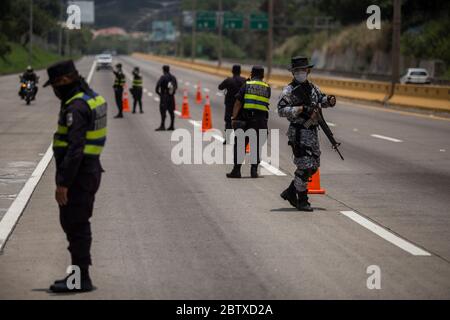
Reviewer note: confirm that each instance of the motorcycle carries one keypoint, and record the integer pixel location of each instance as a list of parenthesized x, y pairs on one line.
[(28, 91)]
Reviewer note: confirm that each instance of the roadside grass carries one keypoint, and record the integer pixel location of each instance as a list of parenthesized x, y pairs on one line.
[(17, 60)]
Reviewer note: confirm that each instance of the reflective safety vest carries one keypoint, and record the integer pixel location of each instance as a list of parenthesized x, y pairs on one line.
[(95, 136), (137, 82), (120, 80), (257, 95)]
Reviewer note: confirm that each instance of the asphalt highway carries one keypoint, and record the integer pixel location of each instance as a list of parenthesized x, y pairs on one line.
[(166, 231)]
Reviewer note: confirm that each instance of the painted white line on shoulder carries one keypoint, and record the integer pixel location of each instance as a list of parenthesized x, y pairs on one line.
[(156, 99), (12, 216), (195, 123), (272, 169), (16, 209), (386, 235), (331, 124), (441, 150), (150, 94), (145, 89), (385, 138), (178, 113)]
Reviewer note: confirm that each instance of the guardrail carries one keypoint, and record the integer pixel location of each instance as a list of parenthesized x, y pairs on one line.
[(428, 97)]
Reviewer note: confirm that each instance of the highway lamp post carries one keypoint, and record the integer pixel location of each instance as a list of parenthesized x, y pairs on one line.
[(270, 40), (30, 53), (219, 55), (194, 26), (396, 25)]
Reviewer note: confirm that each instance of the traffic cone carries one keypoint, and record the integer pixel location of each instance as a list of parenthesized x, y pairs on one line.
[(185, 106), (314, 184), (199, 98), (247, 148), (207, 121), (125, 104)]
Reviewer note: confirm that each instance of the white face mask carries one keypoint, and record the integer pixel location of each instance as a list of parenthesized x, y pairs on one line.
[(300, 76)]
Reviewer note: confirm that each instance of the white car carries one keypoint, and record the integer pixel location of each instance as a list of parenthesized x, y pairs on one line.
[(416, 76), (104, 61)]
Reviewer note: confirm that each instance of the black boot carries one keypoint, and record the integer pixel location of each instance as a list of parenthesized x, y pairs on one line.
[(236, 172), (290, 194), (161, 128), (61, 286), (118, 116), (302, 202), (254, 171)]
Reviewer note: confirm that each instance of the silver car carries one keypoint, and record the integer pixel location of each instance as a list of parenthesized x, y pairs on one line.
[(416, 76)]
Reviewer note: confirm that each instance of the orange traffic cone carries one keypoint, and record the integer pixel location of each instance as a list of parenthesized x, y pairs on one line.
[(125, 104), (199, 98), (247, 148), (314, 184), (185, 106), (206, 121)]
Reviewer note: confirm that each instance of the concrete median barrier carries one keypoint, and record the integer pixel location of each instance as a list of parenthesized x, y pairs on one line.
[(436, 98)]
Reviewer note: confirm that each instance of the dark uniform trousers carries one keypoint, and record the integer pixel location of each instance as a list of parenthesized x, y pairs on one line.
[(74, 216), (167, 104), (118, 92), (256, 120), (137, 99)]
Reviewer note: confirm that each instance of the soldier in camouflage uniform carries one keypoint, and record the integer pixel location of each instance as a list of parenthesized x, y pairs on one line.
[(296, 104)]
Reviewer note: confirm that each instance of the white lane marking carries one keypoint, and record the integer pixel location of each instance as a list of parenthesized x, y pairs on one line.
[(206, 89), (187, 83), (91, 72), (178, 113), (385, 138), (386, 235), (195, 123), (355, 129), (156, 99), (145, 90), (16, 209), (220, 94), (442, 150), (331, 124), (12, 216), (272, 169), (150, 94)]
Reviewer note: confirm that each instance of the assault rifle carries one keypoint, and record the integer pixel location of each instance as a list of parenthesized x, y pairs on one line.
[(317, 113)]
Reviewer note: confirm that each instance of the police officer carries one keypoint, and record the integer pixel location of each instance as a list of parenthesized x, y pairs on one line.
[(166, 89), (119, 83), (295, 104), (136, 90), (251, 111), (29, 75), (232, 86), (77, 145)]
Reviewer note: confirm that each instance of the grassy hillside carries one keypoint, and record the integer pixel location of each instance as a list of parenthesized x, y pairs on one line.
[(17, 60)]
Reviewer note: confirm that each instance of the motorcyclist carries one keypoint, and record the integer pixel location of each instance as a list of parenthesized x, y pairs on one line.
[(28, 75)]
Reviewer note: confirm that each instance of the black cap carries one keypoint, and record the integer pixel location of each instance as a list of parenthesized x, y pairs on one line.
[(236, 69), (300, 62), (258, 71), (63, 68), (166, 68)]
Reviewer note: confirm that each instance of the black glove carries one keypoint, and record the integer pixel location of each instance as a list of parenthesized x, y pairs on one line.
[(331, 100)]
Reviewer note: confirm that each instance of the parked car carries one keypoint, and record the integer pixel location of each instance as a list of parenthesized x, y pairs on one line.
[(104, 61), (416, 76)]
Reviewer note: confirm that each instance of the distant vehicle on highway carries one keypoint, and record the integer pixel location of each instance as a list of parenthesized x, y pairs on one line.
[(416, 76), (104, 61)]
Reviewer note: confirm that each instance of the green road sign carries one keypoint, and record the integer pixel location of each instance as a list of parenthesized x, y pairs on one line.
[(233, 21), (259, 21), (206, 20)]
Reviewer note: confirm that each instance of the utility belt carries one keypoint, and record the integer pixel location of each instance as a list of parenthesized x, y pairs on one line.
[(299, 149), (248, 115)]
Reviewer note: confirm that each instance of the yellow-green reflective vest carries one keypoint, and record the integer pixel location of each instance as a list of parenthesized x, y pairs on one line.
[(120, 80), (257, 95), (137, 82), (96, 135)]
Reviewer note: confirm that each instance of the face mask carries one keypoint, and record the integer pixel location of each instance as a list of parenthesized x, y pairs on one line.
[(300, 76)]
